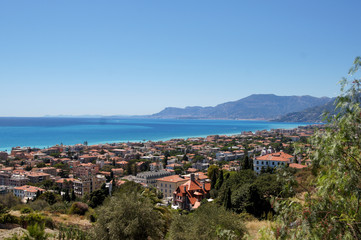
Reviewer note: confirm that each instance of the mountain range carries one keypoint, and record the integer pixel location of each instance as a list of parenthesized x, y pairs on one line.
[(256, 106)]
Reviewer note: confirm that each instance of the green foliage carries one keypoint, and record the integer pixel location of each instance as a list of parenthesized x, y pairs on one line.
[(39, 205), (97, 197), (213, 172), (26, 209), (244, 191), (72, 232), (209, 221), (60, 207), (129, 216), (332, 211), (247, 163), (219, 180), (9, 200), (41, 165), (36, 231), (8, 218), (36, 218), (50, 197)]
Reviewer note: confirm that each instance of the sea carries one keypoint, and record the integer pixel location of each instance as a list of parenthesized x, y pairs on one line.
[(42, 132)]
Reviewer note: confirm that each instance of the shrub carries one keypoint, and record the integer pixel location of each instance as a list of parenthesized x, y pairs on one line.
[(39, 205), (8, 218), (78, 208), (91, 215), (36, 218), (59, 207), (26, 209)]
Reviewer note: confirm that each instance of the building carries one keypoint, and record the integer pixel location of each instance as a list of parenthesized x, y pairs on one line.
[(272, 160), (18, 180), (85, 169), (36, 177), (150, 178), (27, 192), (3, 155), (5, 178), (189, 195), (167, 185), (88, 184), (48, 170)]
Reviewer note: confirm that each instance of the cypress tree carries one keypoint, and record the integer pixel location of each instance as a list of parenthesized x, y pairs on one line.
[(227, 201), (219, 180)]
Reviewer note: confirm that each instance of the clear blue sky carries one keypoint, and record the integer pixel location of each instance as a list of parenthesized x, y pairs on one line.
[(137, 57)]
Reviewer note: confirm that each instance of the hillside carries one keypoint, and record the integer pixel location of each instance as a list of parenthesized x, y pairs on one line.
[(256, 106), (313, 114)]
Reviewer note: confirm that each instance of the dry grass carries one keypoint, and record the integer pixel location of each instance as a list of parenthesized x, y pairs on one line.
[(80, 221), (254, 226)]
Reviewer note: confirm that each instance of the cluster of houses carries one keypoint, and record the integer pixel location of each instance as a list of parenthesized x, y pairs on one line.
[(181, 179)]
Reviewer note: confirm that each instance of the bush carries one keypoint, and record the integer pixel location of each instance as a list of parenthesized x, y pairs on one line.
[(39, 205), (91, 215), (9, 200), (59, 207), (78, 208), (7, 218), (36, 218), (26, 209)]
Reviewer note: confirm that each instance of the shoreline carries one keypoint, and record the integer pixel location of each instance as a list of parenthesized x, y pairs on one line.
[(8, 149)]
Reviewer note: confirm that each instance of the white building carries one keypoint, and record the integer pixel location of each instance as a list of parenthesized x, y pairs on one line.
[(272, 160)]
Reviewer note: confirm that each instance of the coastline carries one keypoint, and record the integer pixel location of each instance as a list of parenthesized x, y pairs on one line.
[(41, 146)]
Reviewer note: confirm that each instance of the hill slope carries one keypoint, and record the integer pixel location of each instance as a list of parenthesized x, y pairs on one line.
[(313, 114), (256, 106)]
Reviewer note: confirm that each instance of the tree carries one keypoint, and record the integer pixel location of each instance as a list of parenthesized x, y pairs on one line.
[(213, 172), (66, 196), (165, 161), (50, 197), (227, 201), (73, 197), (209, 221), (219, 180), (129, 216), (247, 164), (333, 210)]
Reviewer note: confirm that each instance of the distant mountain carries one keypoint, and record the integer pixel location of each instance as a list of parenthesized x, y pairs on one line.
[(256, 106), (313, 114)]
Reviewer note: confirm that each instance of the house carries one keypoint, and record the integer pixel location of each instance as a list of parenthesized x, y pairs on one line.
[(272, 160), (167, 185), (27, 192), (189, 195)]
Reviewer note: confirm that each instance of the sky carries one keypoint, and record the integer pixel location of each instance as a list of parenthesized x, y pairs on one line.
[(118, 57)]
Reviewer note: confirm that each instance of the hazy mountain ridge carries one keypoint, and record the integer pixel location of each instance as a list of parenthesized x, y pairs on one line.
[(256, 106)]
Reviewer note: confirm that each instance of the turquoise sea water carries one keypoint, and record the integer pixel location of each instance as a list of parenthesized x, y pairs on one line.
[(44, 132)]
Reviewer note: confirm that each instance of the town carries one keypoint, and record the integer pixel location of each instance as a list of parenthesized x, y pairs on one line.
[(178, 168)]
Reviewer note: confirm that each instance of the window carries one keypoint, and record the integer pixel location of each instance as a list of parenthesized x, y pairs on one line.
[(273, 163), (161, 184), (165, 185), (262, 162), (257, 162)]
